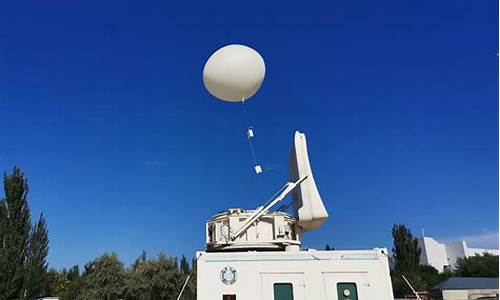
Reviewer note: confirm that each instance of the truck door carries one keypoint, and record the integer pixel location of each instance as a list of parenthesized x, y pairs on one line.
[(282, 286)]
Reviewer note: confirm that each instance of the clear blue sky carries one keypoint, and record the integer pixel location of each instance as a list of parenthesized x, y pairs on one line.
[(103, 106)]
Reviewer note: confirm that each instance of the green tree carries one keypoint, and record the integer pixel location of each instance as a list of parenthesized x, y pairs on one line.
[(35, 267), (103, 279), (65, 284), (57, 284), (154, 279), (431, 275), (188, 273), (14, 234), (478, 266), (190, 291), (73, 273), (74, 289), (160, 278), (165, 282), (184, 266), (406, 254), (401, 288), (137, 284)]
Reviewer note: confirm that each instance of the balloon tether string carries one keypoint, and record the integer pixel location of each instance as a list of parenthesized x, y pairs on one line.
[(250, 135)]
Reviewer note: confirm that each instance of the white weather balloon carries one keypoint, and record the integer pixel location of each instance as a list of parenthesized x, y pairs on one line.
[(234, 73)]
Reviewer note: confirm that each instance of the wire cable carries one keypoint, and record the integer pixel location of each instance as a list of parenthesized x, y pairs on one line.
[(250, 136)]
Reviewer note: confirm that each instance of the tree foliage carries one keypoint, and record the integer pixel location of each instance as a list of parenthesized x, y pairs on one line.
[(161, 276), (184, 265), (66, 284), (15, 234), (401, 288), (23, 265), (406, 254), (405, 251), (104, 278), (431, 276), (35, 266), (23, 248), (478, 266)]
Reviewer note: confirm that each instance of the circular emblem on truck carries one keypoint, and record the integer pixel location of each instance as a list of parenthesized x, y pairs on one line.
[(347, 293), (228, 275)]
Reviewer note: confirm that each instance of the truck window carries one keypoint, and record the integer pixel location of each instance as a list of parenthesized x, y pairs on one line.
[(283, 291), (347, 291), (228, 297)]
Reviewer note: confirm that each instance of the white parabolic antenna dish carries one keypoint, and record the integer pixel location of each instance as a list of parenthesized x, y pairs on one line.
[(307, 203), (234, 73)]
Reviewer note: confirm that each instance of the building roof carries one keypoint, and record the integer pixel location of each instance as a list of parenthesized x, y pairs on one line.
[(467, 283)]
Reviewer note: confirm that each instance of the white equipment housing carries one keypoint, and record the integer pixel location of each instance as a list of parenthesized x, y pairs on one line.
[(273, 231), (255, 254), (305, 275)]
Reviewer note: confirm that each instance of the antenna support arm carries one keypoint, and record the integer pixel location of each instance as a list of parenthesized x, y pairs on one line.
[(287, 188)]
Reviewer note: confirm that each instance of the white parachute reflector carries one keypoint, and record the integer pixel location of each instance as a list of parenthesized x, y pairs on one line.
[(307, 203)]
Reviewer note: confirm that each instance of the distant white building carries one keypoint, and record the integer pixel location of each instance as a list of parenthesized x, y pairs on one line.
[(466, 288), (445, 255)]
